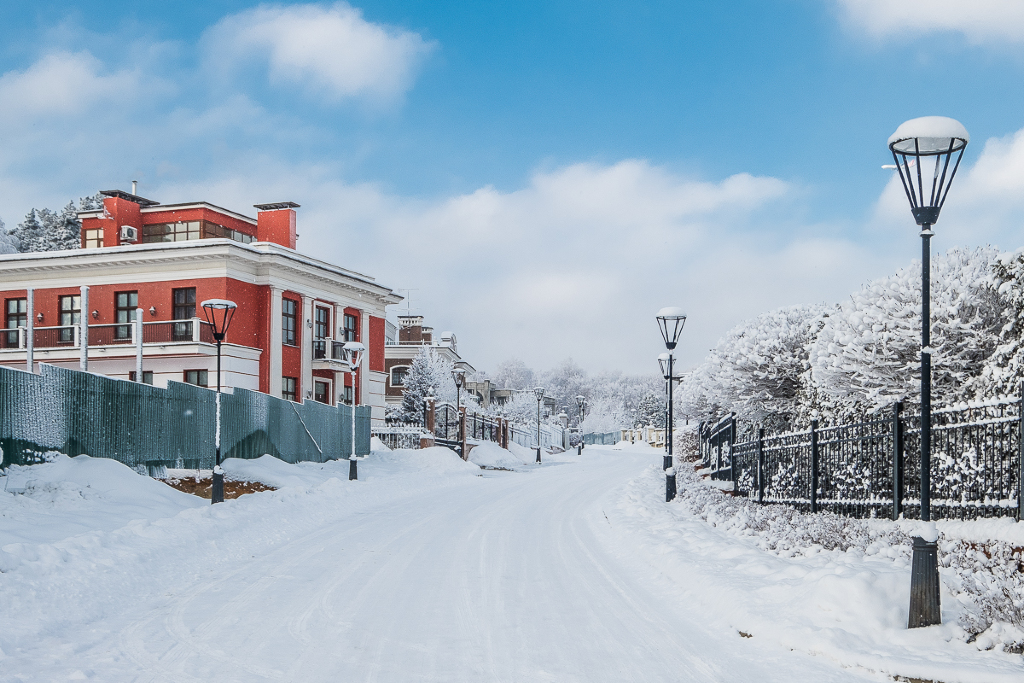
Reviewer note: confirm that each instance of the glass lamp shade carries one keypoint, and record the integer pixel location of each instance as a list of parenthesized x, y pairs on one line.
[(354, 350), (539, 393), (663, 362), (218, 314), (580, 400), (671, 321), (926, 182), (459, 376)]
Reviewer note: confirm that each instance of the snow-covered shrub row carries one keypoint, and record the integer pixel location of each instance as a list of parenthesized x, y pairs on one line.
[(985, 578), (863, 354)]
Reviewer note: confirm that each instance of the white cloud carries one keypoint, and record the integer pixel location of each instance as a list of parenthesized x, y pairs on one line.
[(329, 51), (979, 20), (62, 84)]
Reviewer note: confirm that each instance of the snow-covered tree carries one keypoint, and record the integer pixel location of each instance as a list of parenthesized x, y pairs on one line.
[(430, 374), (757, 369), (513, 374), (867, 355), (1004, 369), (46, 230), (8, 243), (651, 411)]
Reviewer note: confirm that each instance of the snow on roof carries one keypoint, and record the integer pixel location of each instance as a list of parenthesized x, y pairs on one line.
[(932, 133)]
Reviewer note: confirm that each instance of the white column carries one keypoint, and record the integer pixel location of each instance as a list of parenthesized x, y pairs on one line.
[(30, 335), (364, 363), (138, 345), (336, 333), (306, 347), (275, 350), (83, 334)]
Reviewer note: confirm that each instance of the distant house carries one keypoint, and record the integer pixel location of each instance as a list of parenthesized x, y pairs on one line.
[(412, 336), (140, 258)]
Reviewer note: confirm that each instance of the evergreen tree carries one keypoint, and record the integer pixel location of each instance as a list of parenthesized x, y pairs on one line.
[(8, 243), (650, 412), (429, 375), (46, 230)]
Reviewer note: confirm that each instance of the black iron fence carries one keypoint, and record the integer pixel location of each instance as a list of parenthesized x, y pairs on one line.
[(872, 467)]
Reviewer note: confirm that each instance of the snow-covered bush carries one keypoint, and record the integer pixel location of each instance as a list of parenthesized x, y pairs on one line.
[(867, 354)]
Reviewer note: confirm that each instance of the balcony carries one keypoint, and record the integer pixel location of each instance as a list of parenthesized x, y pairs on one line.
[(330, 355), (193, 331)]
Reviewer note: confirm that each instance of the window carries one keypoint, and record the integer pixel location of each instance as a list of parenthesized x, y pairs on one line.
[(289, 388), (351, 328), (94, 238), (171, 232), (289, 314), (321, 331), (184, 308), (200, 378), (191, 230), (70, 314), (212, 230), (147, 376), (398, 376), (125, 305), (347, 396), (17, 316), (322, 391)]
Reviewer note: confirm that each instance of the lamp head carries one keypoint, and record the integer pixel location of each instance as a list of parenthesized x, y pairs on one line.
[(459, 375), (926, 183), (354, 350), (539, 393), (663, 361), (670, 322), (580, 400), (219, 313)]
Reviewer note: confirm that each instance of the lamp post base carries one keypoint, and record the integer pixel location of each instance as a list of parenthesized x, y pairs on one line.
[(670, 479), (924, 585), (538, 456), (353, 469), (217, 491)]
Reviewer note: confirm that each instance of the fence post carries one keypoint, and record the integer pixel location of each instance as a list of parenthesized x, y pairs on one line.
[(429, 418), (897, 461), (760, 465), (1020, 457), (814, 465), (732, 457), (462, 432)]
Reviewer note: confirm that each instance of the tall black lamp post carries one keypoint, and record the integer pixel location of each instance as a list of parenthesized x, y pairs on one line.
[(670, 321), (354, 350), (539, 393), (926, 183), (581, 401), (459, 375), (218, 314)]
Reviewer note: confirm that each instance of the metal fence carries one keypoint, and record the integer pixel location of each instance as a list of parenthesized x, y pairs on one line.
[(400, 436), (147, 428), (872, 468), (599, 439)]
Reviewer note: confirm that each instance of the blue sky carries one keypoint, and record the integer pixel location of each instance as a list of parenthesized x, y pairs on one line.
[(545, 175)]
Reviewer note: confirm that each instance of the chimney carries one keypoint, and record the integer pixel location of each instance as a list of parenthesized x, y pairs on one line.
[(276, 223), (122, 209)]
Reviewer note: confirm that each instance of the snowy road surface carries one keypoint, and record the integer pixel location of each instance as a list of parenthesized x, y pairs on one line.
[(505, 577)]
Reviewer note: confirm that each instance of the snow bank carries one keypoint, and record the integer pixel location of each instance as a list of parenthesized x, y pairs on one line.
[(488, 454), (642, 446), (829, 585), (434, 460), (275, 472), (377, 445), (68, 496)]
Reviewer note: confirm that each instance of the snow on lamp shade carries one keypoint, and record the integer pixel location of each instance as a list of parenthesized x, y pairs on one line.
[(929, 135)]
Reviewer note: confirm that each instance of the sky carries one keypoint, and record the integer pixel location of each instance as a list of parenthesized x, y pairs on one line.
[(540, 177)]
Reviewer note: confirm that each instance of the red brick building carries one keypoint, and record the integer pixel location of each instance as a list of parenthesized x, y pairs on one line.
[(139, 258)]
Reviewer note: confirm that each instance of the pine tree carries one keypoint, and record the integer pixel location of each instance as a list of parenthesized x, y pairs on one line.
[(429, 375), (46, 230), (650, 412), (8, 243)]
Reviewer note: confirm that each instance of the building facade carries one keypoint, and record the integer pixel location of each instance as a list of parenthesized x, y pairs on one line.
[(143, 266), (399, 353)]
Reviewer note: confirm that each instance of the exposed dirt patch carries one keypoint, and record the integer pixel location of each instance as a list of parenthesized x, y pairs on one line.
[(202, 487)]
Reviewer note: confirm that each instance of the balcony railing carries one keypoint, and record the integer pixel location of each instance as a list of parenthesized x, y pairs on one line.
[(67, 336), (324, 349)]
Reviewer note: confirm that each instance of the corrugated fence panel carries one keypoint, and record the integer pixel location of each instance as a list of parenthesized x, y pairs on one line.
[(74, 413)]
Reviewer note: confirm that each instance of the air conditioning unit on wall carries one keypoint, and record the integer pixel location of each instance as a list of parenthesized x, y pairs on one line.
[(129, 234)]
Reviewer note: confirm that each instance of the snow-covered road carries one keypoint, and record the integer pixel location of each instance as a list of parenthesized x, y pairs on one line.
[(505, 577)]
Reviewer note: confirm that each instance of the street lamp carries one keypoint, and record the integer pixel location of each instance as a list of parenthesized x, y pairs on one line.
[(911, 145), (459, 375), (354, 351), (218, 314), (670, 322), (580, 402), (539, 393)]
